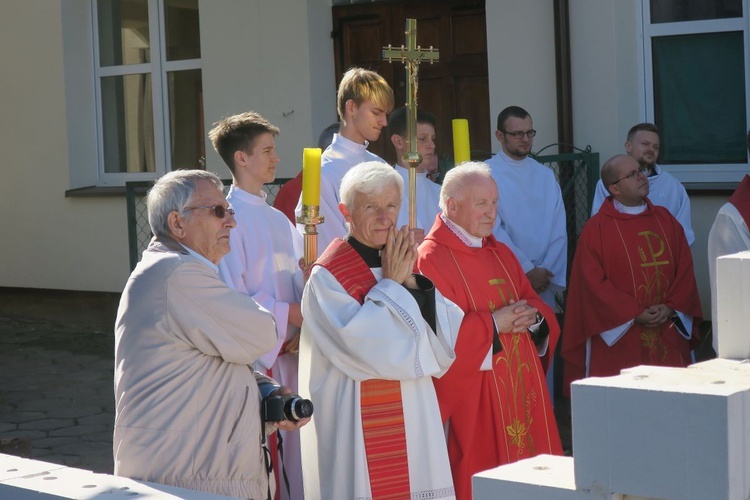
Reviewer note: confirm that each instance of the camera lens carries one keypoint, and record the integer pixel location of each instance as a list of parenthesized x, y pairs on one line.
[(297, 408)]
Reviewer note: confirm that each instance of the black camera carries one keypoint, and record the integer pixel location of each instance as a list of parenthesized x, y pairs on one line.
[(285, 407)]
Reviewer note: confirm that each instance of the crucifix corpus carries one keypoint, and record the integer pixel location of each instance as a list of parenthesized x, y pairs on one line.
[(411, 56)]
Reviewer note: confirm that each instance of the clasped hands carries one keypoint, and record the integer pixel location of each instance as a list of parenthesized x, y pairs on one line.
[(399, 256), (516, 317), (655, 315)]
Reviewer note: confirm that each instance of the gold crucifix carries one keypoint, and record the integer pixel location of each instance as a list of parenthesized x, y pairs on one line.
[(411, 56)]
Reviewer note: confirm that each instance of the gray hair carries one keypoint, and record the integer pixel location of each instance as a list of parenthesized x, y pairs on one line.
[(172, 192), (458, 178), (369, 178)]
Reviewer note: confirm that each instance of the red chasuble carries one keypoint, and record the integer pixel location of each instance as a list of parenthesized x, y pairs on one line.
[(624, 264), (741, 199), (501, 415)]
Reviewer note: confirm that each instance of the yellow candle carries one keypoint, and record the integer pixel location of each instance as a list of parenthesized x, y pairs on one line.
[(461, 150), (311, 176)]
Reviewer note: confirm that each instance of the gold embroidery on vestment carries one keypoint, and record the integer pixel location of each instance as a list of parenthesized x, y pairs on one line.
[(649, 236), (514, 385), (496, 283)]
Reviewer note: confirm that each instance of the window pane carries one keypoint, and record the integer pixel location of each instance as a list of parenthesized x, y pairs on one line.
[(123, 32), (186, 119), (699, 97), (183, 30), (672, 11), (128, 124)]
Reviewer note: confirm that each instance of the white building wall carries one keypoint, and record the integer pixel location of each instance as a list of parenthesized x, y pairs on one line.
[(521, 65), (606, 74), (49, 241), (275, 58)]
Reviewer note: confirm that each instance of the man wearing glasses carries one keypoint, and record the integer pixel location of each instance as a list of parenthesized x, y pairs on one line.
[(530, 209), (187, 400), (632, 298), (664, 189)]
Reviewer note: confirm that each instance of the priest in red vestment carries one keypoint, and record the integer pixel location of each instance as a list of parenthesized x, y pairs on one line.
[(632, 298), (494, 397)]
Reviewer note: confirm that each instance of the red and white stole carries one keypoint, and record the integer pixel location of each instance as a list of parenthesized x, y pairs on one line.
[(380, 400)]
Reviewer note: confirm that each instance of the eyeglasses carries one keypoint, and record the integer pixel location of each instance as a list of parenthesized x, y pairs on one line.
[(519, 135), (219, 211), (632, 174)]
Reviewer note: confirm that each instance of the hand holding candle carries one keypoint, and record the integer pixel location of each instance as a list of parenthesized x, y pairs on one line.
[(311, 176), (461, 150)]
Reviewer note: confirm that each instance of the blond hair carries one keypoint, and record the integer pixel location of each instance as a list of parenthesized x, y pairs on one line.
[(362, 85)]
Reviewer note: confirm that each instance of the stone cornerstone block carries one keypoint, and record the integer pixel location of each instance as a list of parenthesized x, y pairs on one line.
[(21, 478), (733, 313), (544, 476), (663, 433)]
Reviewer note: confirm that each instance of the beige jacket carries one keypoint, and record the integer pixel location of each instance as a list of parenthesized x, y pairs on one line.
[(187, 401)]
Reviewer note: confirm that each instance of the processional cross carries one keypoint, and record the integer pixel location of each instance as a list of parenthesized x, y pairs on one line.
[(411, 56)]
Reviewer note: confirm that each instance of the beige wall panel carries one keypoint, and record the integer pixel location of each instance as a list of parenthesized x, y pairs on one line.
[(521, 64)]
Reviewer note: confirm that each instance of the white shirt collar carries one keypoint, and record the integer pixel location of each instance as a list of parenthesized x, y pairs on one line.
[(468, 239), (629, 210), (509, 160), (202, 258), (241, 194), (343, 141)]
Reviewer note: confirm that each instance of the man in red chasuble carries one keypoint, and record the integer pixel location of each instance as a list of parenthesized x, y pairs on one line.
[(632, 298), (494, 397)]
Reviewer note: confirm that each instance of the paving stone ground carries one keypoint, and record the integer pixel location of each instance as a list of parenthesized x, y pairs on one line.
[(56, 376)]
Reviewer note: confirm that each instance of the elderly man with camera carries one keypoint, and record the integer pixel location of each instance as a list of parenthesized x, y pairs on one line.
[(374, 336), (187, 402)]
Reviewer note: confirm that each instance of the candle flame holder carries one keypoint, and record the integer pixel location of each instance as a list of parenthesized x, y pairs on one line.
[(310, 218)]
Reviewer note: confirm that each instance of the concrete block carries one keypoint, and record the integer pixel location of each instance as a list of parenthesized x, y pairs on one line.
[(724, 366), (544, 476), (663, 432), (20, 476), (732, 314), (13, 467)]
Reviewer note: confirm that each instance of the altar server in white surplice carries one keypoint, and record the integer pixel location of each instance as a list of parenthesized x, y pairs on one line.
[(428, 192), (263, 260), (530, 209), (664, 189), (374, 336), (364, 100)]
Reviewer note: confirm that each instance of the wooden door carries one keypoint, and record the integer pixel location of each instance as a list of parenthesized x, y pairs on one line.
[(455, 87)]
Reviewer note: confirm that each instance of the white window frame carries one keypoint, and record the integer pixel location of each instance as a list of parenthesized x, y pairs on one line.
[(159, 67), (697, 173)]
